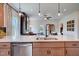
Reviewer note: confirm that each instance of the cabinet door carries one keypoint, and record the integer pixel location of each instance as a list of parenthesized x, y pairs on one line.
[(48, 52), (72, 51), (41, 51), (8, 19), (4, 52), (58, 51), (1, 15)]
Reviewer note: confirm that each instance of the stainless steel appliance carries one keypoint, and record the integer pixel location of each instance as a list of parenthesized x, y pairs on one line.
[(22, 49)]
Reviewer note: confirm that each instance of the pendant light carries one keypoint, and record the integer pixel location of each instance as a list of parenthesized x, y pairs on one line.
[(20, 10), (39, 10), (59, 9)]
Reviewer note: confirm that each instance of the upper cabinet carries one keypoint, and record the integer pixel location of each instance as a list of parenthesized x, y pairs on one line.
[(1, 15), (7, 15), (8, 19)]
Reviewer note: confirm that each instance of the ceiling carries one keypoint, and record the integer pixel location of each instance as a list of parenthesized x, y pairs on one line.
[(51, 9)]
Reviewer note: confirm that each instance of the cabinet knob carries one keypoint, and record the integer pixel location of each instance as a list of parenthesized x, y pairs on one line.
[(4, 45), (48, 52)]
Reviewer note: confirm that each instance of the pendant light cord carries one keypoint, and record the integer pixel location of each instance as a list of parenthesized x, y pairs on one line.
[(39, 7), (58, 7), (19, 6)]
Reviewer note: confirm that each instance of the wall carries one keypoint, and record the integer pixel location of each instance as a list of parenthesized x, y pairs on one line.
[(15, 25), (72, 16)]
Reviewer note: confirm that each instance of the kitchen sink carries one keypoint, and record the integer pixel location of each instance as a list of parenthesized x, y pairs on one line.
[(46, 38)]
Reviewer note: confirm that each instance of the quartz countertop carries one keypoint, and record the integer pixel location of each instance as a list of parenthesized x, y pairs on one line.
[(34, 39)]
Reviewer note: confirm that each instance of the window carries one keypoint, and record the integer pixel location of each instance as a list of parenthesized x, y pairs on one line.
[(70, 25)]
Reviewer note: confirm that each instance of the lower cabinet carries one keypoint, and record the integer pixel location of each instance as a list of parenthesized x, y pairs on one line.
[(72, 51), (68, 48), (72, 48), (48, 51), (58, 52), (5, 49), (4, 52)]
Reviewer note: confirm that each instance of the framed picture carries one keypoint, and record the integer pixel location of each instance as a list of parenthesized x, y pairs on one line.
[(70, 25)]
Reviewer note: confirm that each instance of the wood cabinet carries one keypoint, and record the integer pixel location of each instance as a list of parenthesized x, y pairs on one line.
[(8, 19), (72, 48), (48, 49), (41, 51), (1, 15), (64, 48), (58, 51), (72, 51), (5, 49), (48, 52), (4, 52)]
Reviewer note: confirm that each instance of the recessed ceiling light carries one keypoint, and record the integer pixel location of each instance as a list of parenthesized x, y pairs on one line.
[(65, 9), (31, 9)]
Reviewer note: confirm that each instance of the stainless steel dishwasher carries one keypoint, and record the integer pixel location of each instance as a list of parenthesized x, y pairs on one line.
[(22, 49)]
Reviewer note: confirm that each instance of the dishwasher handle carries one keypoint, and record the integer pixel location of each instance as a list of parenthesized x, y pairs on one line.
[(22, 44)]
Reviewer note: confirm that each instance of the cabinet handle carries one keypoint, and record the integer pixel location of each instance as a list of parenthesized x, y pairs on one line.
[(48, 52), (8, 52), (4, 45), (74, 44), (66, 52)]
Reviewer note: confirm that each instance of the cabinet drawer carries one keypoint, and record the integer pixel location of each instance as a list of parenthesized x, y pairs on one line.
[(48, 44), (4, 45), (72, 44)]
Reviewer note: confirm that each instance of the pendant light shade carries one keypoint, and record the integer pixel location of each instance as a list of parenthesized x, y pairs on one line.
[(59, 14), (20, 10), (20, 13), (39, 14)]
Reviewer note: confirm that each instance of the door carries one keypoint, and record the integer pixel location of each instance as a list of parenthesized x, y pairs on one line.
[(5, 52), (1, 15), (72, 51)]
